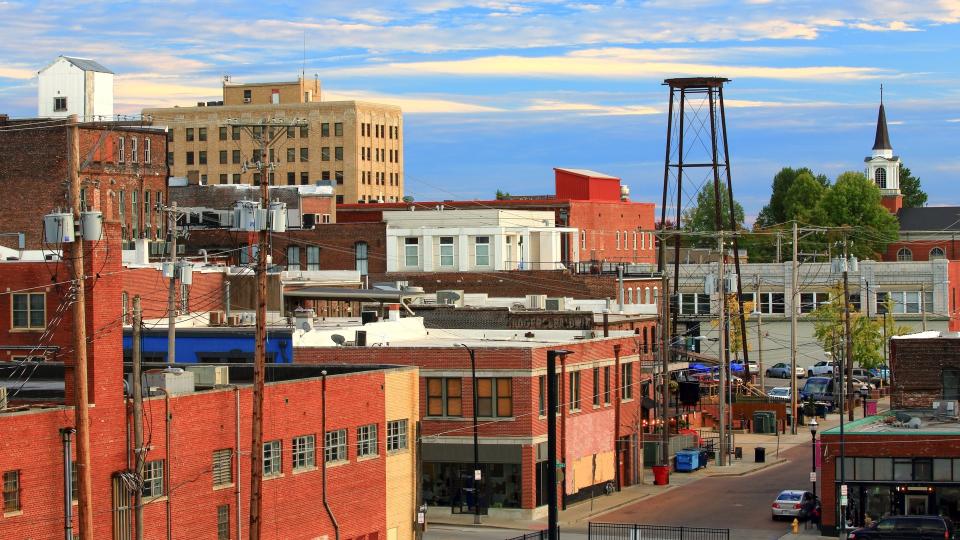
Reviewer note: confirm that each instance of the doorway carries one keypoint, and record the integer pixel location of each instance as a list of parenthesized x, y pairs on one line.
[(915, 505)]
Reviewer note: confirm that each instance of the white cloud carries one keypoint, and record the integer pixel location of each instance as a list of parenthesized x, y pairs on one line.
[(892, 26), (591, 108), (411, 105)]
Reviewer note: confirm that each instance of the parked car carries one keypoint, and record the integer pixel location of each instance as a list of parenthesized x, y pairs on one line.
[(859, 382), (793, 503), (882, 373), (907, 527), (781, 370), (779, 393), (868, 375), (823, 367), (819, 389)]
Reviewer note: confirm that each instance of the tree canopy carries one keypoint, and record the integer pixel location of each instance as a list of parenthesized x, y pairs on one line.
[(854, 201), (775, 210), (829, 330), (913, 196), (702, 216)]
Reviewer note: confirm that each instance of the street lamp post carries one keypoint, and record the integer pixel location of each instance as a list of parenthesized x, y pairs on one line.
[(553, 532), (476, 438), (813, 462)]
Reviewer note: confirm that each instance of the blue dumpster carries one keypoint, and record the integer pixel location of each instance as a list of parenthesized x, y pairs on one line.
[(687, 460)]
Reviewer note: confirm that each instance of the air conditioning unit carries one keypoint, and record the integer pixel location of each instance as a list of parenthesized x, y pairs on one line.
[(450, 298), (216, 318), (557, 304), (247, 100), (3, 397), (233, 320), (536, 301), (310, 221), (172, 380), (210, 376)]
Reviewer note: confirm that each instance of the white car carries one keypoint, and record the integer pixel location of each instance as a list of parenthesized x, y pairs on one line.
[(823, 367), (779, 393)]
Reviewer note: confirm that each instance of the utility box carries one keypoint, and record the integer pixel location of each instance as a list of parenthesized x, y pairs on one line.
[(91, 225), (58, 228), (172, 380), (210, 376)]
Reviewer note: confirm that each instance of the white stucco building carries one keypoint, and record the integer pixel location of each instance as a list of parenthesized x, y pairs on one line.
[(75, 86), (456, 240)]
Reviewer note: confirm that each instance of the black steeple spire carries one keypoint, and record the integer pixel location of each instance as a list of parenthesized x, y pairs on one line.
[(882, 140)]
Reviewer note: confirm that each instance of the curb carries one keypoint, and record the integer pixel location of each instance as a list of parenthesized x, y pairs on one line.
[(751, 471)]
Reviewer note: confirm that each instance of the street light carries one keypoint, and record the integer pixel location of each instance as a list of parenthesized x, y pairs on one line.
[(553, 531), (476, 437), (813, 463)]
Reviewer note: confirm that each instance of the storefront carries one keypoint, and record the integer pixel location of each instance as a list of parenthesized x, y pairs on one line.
[(447, 476)]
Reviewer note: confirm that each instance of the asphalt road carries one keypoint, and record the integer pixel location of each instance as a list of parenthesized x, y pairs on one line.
[(739, 503)]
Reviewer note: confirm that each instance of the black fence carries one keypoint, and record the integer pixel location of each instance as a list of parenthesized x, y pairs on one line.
[(535, 535), (628, 531)]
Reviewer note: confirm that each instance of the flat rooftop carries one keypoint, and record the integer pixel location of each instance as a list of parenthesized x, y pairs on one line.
[(902, 422)]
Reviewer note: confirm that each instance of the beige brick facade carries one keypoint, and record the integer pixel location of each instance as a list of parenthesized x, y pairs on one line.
[(402, 402), (356, 145)]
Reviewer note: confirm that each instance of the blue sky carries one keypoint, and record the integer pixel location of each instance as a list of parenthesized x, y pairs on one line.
[(497, 92)]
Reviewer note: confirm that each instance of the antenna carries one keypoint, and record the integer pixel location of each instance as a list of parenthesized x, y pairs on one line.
[(881, 93)]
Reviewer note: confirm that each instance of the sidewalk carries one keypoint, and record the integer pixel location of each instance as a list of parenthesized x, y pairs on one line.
[(577, 515)]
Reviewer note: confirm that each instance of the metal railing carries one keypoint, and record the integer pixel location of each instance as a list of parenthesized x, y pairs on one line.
[(630, 531), (535, 535)]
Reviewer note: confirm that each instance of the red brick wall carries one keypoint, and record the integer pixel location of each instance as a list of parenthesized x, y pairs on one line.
[(916, 366), (921, 249), (953, 273), (206, 293), (602, 221)]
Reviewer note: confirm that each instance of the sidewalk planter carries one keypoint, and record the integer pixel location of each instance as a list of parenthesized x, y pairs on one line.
[(661, 475)]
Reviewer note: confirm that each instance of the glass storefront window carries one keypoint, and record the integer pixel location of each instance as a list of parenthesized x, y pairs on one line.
[(883, 469), (449, 484), (942, 470), (948, 502), (879, 502), (922, 470), (864, 468), (903, 470)]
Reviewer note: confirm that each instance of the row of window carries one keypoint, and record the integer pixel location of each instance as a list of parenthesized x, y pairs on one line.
[(200, 133), (313, 255), (134, 150), (361, 257), (906, 254), (367, 177), (900, 469), (379, 130), (601, 386), (378, 154), (494, 397), (411, 251), (646, 239)]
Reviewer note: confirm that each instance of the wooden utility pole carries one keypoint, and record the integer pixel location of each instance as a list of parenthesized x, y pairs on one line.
[(172, 292), (259, 359), (724, 451), (794, 309), (848, 338), (665, 329), (81, 394), (138, 450)]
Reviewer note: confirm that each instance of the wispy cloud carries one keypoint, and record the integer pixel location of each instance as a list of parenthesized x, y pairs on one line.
[(420, 104), (591, 108)]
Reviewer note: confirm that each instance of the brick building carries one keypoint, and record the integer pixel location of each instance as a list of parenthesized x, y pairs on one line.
[(122, 169), (905, 461), (200, 474), (604, 396)]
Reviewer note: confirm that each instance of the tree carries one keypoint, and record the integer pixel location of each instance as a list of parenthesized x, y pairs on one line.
[(801, 200), (737, 330), (854, 201), (702, 217), (913, 196), (501, 195), (830, 331), (775, 212)]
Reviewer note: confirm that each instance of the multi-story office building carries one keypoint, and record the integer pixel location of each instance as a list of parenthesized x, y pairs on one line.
[(356, 145)]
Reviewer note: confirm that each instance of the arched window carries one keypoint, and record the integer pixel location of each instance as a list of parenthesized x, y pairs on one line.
[(904, 254), (618, 239), (630, 295), (880, 176), (634, 240), (655, 295), (646, 295), (360, 256), (937, 253), (645, 342)]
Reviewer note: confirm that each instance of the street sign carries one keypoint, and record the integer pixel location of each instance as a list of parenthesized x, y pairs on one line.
[(813, 477), (476, 475), (843, 500), (843, 491), (421, 518), (561, 465)]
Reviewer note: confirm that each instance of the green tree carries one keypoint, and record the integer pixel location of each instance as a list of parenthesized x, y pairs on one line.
[(913, 196), (854, 201), (802, 199), (829, 330), (775, 210), (702, 217), (501, 195)]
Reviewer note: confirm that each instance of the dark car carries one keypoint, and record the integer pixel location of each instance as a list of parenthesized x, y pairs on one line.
[(818, 389), (908, 527)]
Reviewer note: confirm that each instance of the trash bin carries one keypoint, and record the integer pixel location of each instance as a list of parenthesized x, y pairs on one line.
[(687, 460), (871, 407), (661, 475), (760, 454)]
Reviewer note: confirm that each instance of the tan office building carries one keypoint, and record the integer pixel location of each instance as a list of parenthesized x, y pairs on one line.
[(356, 145)]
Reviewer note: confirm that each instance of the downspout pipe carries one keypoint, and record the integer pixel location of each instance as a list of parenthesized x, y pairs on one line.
[(65, 434), (323, 461)]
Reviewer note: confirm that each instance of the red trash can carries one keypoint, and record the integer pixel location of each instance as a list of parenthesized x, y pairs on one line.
[(661, 475)]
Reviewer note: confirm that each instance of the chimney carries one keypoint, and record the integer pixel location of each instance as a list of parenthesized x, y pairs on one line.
[(393, 312)]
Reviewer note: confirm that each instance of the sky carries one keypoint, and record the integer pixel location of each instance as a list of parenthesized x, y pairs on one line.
[(496, 93)]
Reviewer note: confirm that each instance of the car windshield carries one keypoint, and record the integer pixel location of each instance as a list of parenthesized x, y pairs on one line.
[(780, 392), (816, 386), (789, 496)]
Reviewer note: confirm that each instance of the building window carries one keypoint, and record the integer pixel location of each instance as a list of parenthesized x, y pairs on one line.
[(360, 257), (223, 522), (626, 378), (291, 178), (313, 258), (170, 159), (325, 153), (272, 458), (596, 387), (482, 251), (153, 479), (335, 448), (189, 134), (367, 441), (134, 149), (203, 157), (59, 104), (495, 397), (950, 381), (444, 397), (937, 253), (304, 131), (618, 239), (396, 435), (411, 252), (202, 134), (324, 129), (446, 251), (222, 467), (769, 303), (574, 391), (304, 155), (811, 301), (222, 133), (293, 257), (29, 311), (223, 157), (338, 153), (338, 177), (904, 254), (606, 385), (880, 176), (189, 158), (542, 395), (304, 178), (338, 129), (304, 452), (11, 491), (121, 150), (235, 133), (236, 178)]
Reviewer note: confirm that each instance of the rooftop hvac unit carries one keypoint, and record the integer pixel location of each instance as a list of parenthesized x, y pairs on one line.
[(58, 228), (210, 376), (536, 301), (450, 298), (216, 318), (310, 221), (172, 380), (557, 304), (233, 320), (3, 397)]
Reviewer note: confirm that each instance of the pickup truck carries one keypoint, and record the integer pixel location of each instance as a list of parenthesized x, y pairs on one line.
[(823, 367)]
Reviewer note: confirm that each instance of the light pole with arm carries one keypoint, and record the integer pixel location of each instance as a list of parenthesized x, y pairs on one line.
[(476, 437), (813, 463), (553, 532)]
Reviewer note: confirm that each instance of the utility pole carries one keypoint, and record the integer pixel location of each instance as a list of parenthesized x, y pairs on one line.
[(172, 292), (923, 305), (794, 308), (665, 330), (138, 450), (778, 243), (848, 338), (81, 395), (724, 456)]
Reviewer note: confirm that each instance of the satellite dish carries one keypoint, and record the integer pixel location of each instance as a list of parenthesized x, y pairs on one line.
[(306, 326), (338, 339)]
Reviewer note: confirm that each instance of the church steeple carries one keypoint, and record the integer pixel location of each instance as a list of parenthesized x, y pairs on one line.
[(882, 140), (883, 167)]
